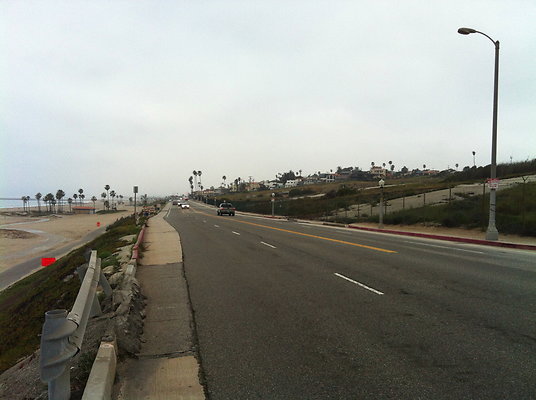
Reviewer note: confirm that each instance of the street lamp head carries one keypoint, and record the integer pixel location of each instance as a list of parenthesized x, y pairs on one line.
[(381, 183), (466, 31)]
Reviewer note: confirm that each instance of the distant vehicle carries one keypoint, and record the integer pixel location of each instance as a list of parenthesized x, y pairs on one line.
[(175, 202), (226, 208), (185, 206)]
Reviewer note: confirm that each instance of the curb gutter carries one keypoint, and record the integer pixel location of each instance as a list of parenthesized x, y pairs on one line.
[(448, 238)]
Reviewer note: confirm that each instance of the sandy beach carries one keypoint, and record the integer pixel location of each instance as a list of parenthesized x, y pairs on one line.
[(26, 237)]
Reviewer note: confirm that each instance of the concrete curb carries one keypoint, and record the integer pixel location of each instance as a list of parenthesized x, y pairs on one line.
[(101, 379), (138, 242), (448, 238)]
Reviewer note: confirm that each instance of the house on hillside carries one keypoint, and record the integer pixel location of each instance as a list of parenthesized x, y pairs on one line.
[(252, 186), (311, 180), (430, 172), (327, 177), (378, 172), (292, 183)]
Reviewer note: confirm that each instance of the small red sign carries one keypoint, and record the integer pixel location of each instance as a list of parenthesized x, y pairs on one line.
[(493, 183), (98, 224), (45, 262)]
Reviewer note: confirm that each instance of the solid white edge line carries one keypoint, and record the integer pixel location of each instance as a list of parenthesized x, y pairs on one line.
[(217, 226), (269, 245), (236, 233), (359, 284)]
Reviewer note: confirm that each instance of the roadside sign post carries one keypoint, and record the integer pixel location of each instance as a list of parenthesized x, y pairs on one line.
[(493, 184), (273, 204), (135, 214)]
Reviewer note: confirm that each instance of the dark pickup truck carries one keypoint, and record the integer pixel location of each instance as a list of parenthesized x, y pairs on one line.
[(226, 208)]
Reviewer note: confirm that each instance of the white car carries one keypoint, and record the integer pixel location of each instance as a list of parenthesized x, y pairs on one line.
[(185, 206)]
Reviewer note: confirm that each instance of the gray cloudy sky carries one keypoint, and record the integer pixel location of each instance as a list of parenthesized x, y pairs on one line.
[(142, 93)]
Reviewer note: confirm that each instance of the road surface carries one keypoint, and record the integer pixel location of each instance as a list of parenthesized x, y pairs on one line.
[(285, 310)]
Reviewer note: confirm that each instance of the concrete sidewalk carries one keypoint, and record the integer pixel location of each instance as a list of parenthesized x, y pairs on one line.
[(166, 367)]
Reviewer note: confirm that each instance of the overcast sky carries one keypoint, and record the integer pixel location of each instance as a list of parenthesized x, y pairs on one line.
[(142, 93)]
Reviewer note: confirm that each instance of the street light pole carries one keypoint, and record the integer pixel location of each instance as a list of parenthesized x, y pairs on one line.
[(135, 213), (491, 233), (273, 204), (381, 183)]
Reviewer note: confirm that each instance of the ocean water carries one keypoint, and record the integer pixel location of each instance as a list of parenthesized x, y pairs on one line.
[(18, 203), (15, 203)]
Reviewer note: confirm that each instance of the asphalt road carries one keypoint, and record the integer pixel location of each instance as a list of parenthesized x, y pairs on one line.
[(19, 271), (285, 310)]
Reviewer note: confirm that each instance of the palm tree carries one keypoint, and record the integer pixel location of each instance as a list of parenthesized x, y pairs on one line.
[(103, 195), (424, 166), (474, 162), (23, 198), (75, 196), (457, 166), (199, 175), (107, 187), (70, 201), (82, 197), (49, 198), (195, 178), (81, 191), (372, 164), (38, 196), (112, 194), (59, 195), (93, 199), (224, 179)]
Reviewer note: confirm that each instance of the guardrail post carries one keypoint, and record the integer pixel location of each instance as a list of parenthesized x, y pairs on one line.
[(55, 352), (103, 283), (63, 334)]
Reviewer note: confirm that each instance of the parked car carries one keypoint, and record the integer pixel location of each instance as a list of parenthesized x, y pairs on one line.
[(226, 208)]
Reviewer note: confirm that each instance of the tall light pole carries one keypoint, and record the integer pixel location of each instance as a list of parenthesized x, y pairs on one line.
[(491, 233), (381, 183), (135, 213), (273, 204)]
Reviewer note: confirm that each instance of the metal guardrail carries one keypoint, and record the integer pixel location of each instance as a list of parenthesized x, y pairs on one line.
[(63, 332)]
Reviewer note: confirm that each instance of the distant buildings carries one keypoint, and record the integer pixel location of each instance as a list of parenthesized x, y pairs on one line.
[(377, 172), (342, 174)]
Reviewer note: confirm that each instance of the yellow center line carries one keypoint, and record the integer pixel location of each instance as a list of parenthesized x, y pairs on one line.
[(308, 235)]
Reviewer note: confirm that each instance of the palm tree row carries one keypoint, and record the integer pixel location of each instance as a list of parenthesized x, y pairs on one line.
[(193, 181), (107, 195), (55, 203)]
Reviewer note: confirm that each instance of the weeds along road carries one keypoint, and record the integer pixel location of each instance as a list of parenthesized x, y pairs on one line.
[(295, 311)]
